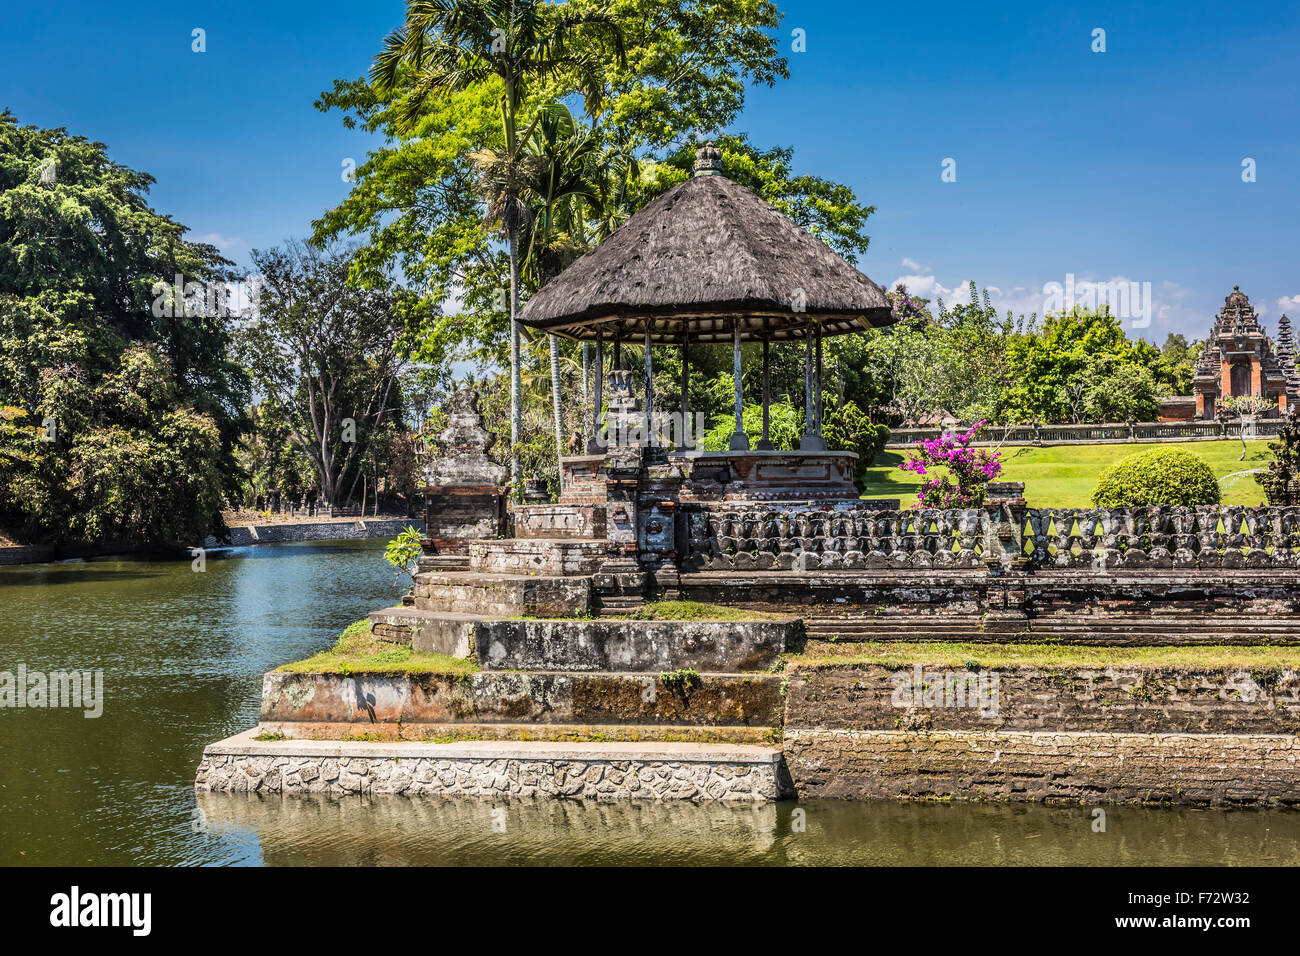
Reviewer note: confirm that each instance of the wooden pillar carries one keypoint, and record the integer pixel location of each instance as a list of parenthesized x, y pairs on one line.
[(818, 398), (765, 443), (596, 446), (807, 383), (647, 440), (685, 436), (739, 440), (586, 371), (812, 439)]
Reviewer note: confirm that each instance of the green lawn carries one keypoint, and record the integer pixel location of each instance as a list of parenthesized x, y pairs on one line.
[(1063, 476)]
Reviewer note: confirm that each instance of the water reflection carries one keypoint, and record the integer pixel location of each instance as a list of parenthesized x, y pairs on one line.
[(322, 830), (183, 655)]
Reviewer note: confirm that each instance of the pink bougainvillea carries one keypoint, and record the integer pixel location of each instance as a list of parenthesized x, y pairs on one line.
[(968, 469)]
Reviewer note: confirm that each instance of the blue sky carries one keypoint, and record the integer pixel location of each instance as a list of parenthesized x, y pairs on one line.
[(1123, 164)]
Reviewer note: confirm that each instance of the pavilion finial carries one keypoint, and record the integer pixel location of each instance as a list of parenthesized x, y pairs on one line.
[(708, 160)]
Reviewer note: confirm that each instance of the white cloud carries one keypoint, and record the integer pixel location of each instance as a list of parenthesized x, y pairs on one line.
[(909, 263), (1289, 303), (226, 244)]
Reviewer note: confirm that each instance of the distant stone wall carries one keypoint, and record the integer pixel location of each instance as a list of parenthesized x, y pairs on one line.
[(244, 535), (1115, 433)]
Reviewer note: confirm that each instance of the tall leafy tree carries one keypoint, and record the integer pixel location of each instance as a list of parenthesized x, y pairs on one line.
[(326, 350), (449, 45), (88, 315)]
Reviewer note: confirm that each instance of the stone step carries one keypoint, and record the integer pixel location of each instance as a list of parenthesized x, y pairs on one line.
[(599, 770), (362, 701), (445, 733), (503, 595), (623, 645), (438, 632), (443, 562), (561, 556)]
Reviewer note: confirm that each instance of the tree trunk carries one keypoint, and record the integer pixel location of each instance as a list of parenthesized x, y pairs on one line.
[(555, 396), (586, 371), (516, 382)]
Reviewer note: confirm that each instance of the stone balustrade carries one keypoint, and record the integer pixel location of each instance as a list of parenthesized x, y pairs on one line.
[(1148, 538), (1199, 430)]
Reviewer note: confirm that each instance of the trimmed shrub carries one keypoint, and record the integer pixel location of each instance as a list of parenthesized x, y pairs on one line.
[(1162, 476), (847, 428)]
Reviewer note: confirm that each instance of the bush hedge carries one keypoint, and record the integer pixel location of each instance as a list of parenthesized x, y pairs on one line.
[(1161, 476)]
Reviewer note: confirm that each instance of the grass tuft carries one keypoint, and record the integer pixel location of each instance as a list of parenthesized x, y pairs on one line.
[(358, 652), (972, 656)]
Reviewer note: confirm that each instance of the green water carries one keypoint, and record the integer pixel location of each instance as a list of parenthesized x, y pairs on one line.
[(183, 653)]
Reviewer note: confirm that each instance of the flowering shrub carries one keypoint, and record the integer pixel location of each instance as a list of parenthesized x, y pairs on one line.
[(968, 469)]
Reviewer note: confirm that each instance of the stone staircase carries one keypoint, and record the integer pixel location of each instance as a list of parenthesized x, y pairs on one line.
[(545, 679), (1077, 629)]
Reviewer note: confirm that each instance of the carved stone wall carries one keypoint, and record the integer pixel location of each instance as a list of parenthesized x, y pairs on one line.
[(1154, 538)]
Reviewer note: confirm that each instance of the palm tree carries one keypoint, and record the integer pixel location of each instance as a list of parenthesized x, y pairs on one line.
[(556, 236), (447, 45)]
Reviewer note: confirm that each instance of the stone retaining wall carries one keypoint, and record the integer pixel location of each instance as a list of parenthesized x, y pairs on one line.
[(1049, 766), (365, 701), (1114, 699)]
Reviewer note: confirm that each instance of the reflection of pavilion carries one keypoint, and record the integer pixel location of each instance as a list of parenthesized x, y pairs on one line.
[(708, 263)]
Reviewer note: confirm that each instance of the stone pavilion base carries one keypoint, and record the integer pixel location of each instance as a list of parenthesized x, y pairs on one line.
[(498, 768)]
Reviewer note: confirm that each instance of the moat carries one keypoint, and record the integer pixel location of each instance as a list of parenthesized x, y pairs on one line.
[(183, 654)]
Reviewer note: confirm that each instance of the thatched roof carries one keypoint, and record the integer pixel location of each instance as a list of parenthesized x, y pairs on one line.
[(704, 254)]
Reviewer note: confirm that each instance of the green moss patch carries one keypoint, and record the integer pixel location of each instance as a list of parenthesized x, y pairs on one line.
[(899, 655), (357, 651), (698, 611)]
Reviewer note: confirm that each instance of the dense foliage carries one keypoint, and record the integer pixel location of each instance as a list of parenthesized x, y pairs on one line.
[(1281, 483), (130, 403), (970, 363), (1162, 476)]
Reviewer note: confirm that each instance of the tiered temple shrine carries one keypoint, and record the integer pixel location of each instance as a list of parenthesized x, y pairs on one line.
[(1239, 359)]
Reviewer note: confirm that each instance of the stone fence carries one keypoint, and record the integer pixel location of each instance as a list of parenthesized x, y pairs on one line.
[(1148, 538), (1098, 434)]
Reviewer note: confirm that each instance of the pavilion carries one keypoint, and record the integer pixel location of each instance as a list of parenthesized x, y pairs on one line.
[(706, 263)]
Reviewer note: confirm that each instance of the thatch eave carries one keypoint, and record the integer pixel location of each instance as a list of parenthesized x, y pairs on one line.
[(694, 262)]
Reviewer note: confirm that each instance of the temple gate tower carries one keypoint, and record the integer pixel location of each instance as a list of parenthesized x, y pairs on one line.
[(1240, 359)]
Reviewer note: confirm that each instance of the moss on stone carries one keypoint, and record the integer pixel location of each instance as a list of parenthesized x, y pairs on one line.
[(897, 655), (357, 651), (698, 611)]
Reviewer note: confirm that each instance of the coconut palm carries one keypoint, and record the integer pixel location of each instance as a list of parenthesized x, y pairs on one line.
[(454, 44), (564, 152)]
